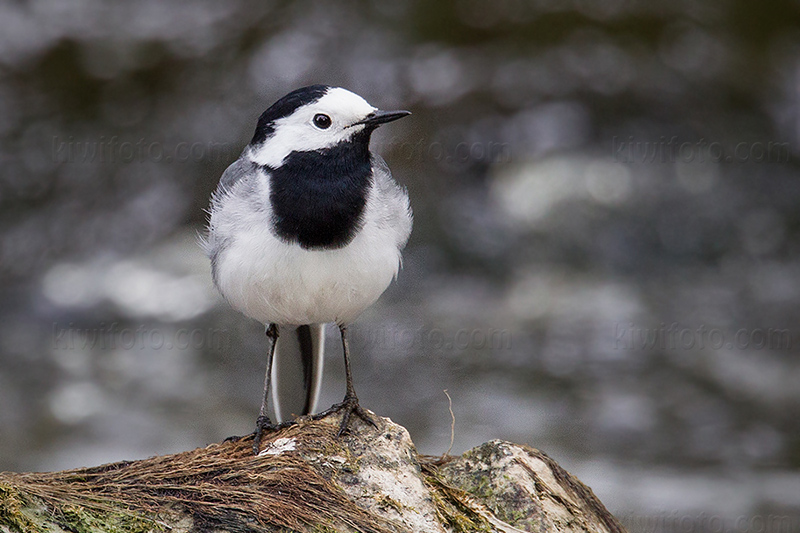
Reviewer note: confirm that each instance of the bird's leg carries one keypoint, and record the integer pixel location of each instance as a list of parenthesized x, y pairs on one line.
[(263, 423), (350, 403)]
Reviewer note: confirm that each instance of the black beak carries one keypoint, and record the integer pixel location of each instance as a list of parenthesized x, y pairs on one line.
[(376, 118)]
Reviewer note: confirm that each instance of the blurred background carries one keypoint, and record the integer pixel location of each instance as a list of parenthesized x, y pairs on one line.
[(605, 262)]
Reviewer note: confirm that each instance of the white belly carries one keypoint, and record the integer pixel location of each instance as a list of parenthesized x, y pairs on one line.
[(275, 282)]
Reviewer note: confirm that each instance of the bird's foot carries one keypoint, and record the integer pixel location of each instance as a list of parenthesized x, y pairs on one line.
[(263, 426), (349, 406)]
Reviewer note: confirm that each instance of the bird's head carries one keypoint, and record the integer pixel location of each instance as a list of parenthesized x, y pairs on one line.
[(314, 118)]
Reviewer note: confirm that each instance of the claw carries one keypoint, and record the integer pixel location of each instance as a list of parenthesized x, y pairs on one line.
[(263, 425), (350, 403), (349, 406)]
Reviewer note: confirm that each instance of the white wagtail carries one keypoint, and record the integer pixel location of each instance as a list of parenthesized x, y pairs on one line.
[(306, 228)]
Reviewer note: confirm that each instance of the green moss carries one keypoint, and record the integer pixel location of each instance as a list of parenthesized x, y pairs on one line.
[(390, 503), (481, 486), (82, 520), (332, 448), (324, 529), (11, 515), (451, 511), (27, 514)]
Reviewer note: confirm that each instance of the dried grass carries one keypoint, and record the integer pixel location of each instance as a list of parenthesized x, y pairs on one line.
[(220, 486)]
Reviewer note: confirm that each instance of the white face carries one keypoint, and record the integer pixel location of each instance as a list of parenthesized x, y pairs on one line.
[(300, 132)]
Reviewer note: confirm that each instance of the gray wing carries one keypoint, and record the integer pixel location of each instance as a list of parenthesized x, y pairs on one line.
[(216, 239), (234, 173), (393, 205)]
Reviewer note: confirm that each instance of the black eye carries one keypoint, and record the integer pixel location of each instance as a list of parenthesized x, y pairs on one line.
[(322, 121)]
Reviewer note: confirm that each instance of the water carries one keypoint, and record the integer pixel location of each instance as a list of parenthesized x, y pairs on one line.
[(604, 264)]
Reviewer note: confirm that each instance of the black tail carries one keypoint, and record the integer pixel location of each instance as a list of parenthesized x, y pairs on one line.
[(297, 370)]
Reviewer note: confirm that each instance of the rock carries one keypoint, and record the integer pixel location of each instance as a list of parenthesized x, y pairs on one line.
[(388, 481), (527, 490), (305, 479)]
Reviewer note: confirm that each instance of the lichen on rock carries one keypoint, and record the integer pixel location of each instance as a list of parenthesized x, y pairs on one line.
[(527, 490)]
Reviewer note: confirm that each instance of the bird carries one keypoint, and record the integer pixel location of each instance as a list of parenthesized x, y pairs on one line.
[(306, 228)]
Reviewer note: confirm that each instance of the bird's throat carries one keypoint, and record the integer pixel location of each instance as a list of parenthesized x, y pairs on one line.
[(318, 198)]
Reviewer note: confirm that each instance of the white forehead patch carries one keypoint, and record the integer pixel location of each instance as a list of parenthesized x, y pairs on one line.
[(297, 131), (347, 105)]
